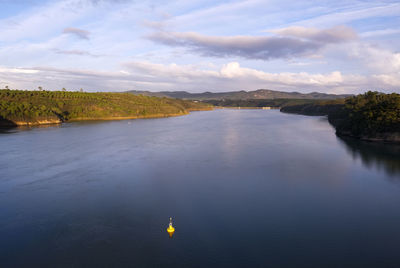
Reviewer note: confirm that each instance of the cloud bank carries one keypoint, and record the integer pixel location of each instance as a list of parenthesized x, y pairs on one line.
[(288, 43), (194, 78)]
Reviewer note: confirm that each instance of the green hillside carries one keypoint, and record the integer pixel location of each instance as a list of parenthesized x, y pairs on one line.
[(34, 107)]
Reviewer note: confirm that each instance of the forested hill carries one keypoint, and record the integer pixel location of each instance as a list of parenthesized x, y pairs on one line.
[(370, 116), (40, 107), (259, 94)]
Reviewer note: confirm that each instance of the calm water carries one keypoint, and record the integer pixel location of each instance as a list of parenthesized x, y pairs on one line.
[(246, 188)]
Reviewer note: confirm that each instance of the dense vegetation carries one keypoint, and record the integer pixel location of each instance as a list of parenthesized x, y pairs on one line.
[(371, 116), (277, 103), (23, 107), (315, 107)]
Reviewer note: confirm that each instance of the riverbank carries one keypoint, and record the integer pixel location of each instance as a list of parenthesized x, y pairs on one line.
[(371, 116), (29, 108), (343, 130), (7, 123), (52, 122)]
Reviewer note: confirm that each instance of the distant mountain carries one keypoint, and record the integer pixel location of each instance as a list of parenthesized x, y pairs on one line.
[(240, 95)]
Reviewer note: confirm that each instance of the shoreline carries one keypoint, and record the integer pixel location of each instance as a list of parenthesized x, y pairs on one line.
[(13, 124), (389, 138)]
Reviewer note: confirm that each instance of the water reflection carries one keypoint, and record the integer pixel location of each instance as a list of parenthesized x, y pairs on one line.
[(14, 129), (100, 194), (382, 156)]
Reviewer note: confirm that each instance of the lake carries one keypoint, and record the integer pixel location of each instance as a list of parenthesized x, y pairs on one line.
[(245, 188)]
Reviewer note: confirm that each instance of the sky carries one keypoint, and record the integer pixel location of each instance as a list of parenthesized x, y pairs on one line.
[(196, 46)]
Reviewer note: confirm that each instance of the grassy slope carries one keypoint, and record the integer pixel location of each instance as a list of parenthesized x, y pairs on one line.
[(33, 107)]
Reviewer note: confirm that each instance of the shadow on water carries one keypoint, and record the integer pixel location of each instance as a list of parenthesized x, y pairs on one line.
[(382, 156), (15, 129), (6, 124)]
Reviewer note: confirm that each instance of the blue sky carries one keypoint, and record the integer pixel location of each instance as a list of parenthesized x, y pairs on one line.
[(117, 45)]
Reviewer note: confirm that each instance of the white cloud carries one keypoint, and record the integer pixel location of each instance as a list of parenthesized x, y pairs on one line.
[(192, 78), (18, 70), (372, 57)]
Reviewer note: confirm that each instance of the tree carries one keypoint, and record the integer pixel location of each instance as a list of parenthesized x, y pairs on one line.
[(40, 88), (81, 90), (63, 89)]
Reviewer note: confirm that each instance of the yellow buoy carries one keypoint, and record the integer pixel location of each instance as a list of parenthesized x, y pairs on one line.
[(170, 228)]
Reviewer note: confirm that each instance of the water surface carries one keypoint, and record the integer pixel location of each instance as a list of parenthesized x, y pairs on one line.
[(246, 188)]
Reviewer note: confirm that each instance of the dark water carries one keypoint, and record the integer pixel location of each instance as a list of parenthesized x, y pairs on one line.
[(246, 188)]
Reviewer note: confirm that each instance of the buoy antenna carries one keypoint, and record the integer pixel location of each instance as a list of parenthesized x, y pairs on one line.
[(170, 228)]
